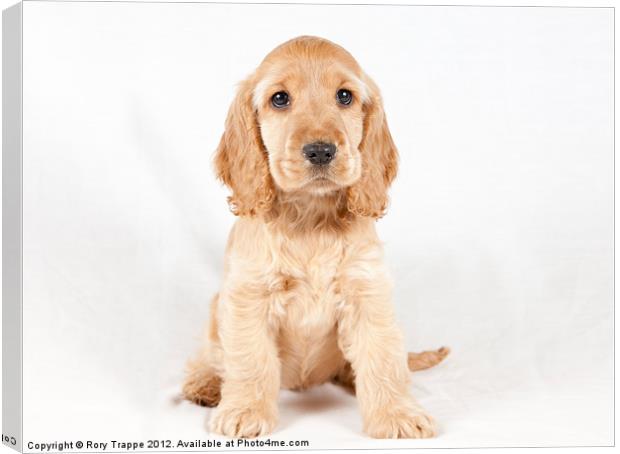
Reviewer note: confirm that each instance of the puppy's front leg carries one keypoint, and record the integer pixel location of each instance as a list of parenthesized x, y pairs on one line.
[(251, 366), (373, 344)]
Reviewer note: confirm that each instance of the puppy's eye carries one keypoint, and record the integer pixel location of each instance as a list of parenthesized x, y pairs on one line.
[(344, 96), (280, 100)]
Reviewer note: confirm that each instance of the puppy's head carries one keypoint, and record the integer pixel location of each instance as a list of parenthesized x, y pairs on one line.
[(308, 121)]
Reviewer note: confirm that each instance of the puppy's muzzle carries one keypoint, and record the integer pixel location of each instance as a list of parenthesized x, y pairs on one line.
[(319, 153)]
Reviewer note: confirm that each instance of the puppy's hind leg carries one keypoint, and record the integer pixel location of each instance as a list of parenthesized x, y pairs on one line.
[(203, 380), (202, 385)]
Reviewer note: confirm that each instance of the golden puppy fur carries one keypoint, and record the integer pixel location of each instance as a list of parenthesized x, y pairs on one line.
[(305, 297)]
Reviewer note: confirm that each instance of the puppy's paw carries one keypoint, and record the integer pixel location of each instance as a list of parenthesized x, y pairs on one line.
[(400, 423), (244, 422), (203, 389)]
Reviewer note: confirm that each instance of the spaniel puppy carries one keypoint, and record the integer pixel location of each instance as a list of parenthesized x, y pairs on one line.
[(305, 297)]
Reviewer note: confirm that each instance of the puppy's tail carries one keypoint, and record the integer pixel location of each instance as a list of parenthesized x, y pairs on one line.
[(424, 360)]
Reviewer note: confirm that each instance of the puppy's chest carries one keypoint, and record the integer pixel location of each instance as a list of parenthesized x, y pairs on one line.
[(307, 293)]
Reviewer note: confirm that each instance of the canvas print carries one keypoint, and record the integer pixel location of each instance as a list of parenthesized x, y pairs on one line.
[(299, 226)]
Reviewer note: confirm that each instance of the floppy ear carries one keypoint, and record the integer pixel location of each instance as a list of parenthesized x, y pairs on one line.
[(241, 158), (368, 196)]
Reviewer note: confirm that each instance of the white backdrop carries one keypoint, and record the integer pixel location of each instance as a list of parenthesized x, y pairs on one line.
[(499, 234)]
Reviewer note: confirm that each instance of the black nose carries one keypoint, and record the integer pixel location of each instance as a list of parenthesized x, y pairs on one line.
[(319, 153)]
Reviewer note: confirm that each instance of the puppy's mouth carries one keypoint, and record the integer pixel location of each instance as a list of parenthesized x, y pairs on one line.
[(322, 184)]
